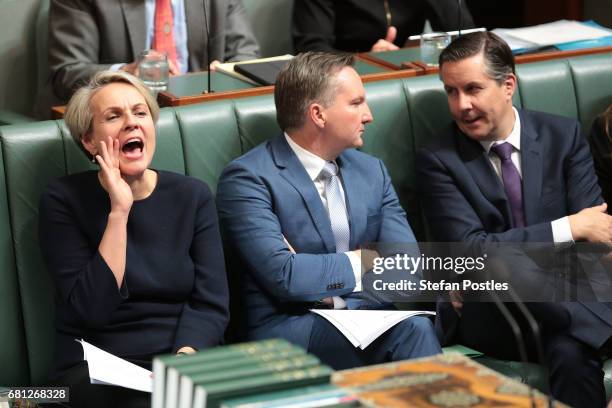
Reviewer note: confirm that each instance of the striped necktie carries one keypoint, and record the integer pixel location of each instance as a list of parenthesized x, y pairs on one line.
[(335, 206)]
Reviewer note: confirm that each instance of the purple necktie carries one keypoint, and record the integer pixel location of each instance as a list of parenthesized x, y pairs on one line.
[(512, 182)]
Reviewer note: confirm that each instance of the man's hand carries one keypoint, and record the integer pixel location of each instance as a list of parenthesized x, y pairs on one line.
[(186, 350), (592, 225), (173, 69), (367, 257), (386, 44), (214, 65), (131, 68)]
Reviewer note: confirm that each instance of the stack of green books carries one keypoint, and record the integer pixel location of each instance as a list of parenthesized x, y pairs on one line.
[(204, 379)]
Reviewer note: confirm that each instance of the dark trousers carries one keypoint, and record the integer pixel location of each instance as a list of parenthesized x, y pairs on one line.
[(575, 369), (86, 395), (411, 338)]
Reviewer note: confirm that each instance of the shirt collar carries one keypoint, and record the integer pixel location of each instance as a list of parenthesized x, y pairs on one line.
[(311, 162), (514, 138)]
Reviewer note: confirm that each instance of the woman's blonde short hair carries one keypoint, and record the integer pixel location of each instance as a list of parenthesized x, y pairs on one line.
[(79, 117)]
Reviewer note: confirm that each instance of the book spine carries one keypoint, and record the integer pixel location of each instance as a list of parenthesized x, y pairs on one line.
[(305, 398), (290, 394), (187, 383), (159, 377), (199, 398), (258, 369), (224, 352), (264, 383), (237, 361)]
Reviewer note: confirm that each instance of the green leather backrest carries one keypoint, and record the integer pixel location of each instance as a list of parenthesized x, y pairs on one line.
[(210, 139), (33, 155), (13, 355), (429, 118), (169, 151), (256, 119), (592, 77), (76, 160), (548, 87), (389, 138)]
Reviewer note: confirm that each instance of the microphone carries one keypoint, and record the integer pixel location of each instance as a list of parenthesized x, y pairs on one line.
[(207, 34)]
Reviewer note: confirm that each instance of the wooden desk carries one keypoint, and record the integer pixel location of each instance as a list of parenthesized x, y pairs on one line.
[(409, 58)]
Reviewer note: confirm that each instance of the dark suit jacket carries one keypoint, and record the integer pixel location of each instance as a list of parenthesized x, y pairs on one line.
[(464, 199), (266, 194), (601, 149), (174, 291), (87, 36)]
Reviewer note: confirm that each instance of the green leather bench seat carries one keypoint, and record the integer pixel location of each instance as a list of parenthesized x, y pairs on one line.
[(199, 140), (13, 350)]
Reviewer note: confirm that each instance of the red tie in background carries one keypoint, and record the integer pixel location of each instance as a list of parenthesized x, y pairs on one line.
[(163, 38)]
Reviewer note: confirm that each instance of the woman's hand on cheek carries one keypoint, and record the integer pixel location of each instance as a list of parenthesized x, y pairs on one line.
[(110, 177)]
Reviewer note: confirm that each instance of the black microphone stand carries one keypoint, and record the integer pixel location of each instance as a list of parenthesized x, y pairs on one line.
[(535, 329), (518, 335), (459, 18), (208, 48)]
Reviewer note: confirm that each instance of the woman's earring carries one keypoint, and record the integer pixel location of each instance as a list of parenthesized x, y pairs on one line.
[(93, 159)]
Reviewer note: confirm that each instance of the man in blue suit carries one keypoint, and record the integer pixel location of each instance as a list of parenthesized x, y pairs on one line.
[(297, 209), (504, 175)]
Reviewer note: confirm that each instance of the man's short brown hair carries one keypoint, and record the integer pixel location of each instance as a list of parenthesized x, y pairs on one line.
[(499, 61), (307, 78)]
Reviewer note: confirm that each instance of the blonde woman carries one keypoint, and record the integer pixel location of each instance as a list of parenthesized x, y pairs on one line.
[(135, 253)]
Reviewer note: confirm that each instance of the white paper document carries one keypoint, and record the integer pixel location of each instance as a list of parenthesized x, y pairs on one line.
[(558, 32), (362, 327), (106, 368), (513, 43)]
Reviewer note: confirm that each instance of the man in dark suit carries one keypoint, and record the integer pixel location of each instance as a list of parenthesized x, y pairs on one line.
[(90, 36), (297, 209), (504, 175)]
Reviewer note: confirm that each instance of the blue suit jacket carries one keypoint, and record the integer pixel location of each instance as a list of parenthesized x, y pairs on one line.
[(464, 199), (267, 194)]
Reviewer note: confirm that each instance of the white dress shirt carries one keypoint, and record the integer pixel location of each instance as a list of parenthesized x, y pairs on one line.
[(561, 229), (313, 165)]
